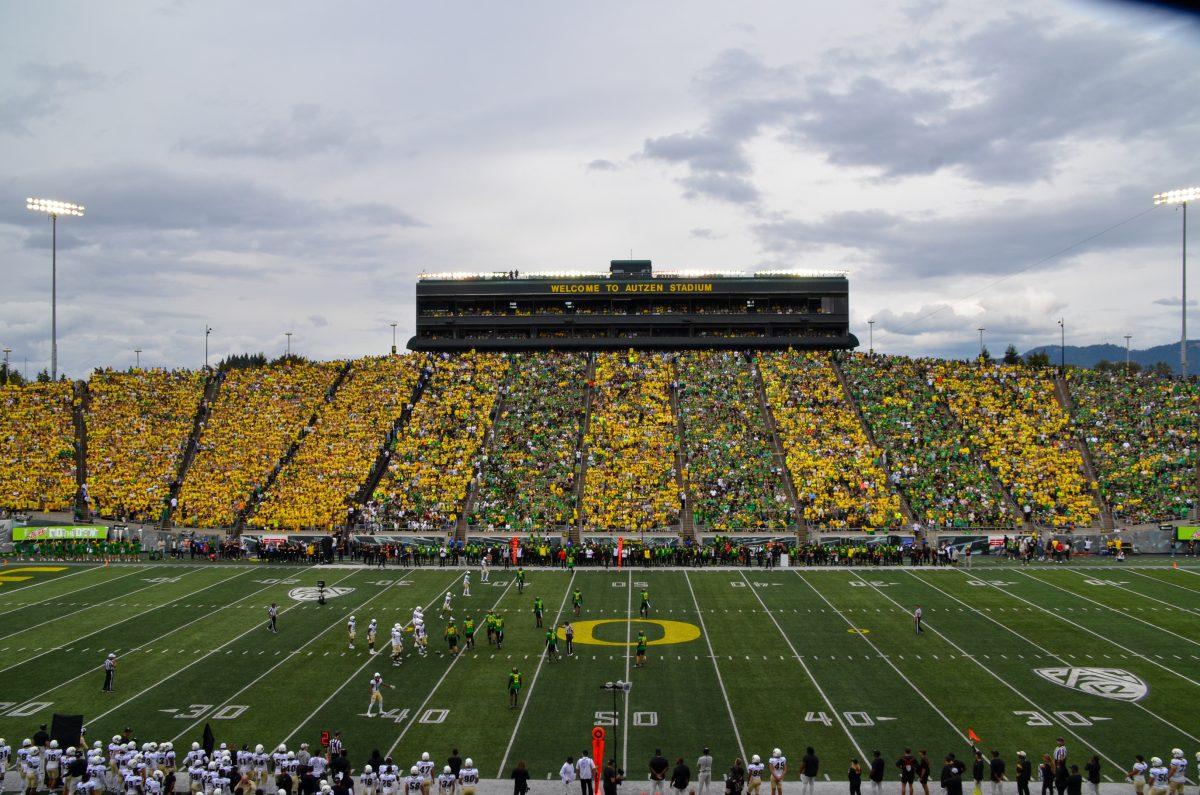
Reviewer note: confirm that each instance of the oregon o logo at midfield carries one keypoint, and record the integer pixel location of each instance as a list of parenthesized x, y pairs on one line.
[(673, 631)]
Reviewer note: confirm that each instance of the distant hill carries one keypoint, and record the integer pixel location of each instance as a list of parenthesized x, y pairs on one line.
[(1090, 355)]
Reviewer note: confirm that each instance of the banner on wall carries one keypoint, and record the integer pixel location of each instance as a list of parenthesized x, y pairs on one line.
[(60, 533)]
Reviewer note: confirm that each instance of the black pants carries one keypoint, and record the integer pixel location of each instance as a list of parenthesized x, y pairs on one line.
[(271, 624), (1022, 787), (585, 786), (108, 681)]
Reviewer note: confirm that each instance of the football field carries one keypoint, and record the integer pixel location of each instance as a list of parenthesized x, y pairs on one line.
[(742, 661)]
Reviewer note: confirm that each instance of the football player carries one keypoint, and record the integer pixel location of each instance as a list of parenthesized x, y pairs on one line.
[(1158, 776), (425, 770), (389, 778), (412, 784), (467, 585), (778, 763), (1137, 774), (514, 688), (397, 643), (351, 631), (368, 782), (421, 638), (452, 636), (446, 610), (446, 781), (644, 609), (468, 776), (639, 660), (1178, 776), (538, 609), (372, 629), (754, 774), (469, 633), (376, 687)]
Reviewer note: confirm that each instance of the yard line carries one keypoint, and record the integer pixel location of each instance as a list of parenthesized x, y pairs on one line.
[(720, 681), (1045, 651), (533, 682), (35, 584), (887, 660), (285, 658), (628, 636), (1112, 610), (993, 674), (862, 754), (77, 590), (87, 607), (1164, 582), (1145, 596), (126, 654), (258, 627), (436, 685)]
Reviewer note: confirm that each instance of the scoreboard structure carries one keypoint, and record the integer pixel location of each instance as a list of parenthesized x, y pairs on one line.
[(630, 306)]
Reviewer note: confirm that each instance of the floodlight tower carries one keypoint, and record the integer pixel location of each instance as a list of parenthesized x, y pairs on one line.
[(1181, 197), (54, 209)]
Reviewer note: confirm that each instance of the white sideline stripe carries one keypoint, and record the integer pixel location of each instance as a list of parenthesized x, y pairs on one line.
[(995, 676), (887, 660), (720, 680), (86, 607), (287, 657), (625, 706), (417, 712), (256, 628), (145, 646), (1164, 582), (1148, 596), (533, 683), (1118, 613), (49, 580), (861, 753), (1044, 650)]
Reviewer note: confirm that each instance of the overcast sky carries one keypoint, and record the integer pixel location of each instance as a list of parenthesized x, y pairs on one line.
[(268, 167)]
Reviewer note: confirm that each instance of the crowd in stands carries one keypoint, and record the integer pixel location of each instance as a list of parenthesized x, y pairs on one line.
[(37, 446), (138, 423), (729, 464), (257, 414), (527, 478), (433, 460), (1142, 433), (930, 459), (835, 468), (314, 489), (1012, 416), (631, 443)]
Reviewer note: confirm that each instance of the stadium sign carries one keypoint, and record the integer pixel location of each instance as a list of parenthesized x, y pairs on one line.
[(59, 533), (312, 594), (1111, 683)]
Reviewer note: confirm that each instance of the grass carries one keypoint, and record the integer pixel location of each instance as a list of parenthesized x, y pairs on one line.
[(805, 657)]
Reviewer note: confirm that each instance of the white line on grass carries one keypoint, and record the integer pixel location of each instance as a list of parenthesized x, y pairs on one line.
[(1163, 582), (1115, 584), (82, 609), (287, 657), (992, 673), (256, 628), (437, 684), (533, 682), (861, 753), (720, 681), (48, 581), (887, 660), (628, 635), (1042, 649)]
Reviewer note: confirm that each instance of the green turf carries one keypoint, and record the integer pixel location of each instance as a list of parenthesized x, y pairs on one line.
[(834, 663)]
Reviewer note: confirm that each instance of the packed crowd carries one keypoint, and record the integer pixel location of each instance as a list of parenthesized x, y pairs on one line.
[(729, 464), (834, 466), (631, 444), (1012, 416), (37, 446), (527, 477), (314, 489), (256, 416), (433, 460), (1142, 433), (138, 423), (930, 458)]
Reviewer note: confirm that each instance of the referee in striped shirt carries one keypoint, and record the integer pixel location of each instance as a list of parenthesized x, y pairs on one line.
[(110, 670)]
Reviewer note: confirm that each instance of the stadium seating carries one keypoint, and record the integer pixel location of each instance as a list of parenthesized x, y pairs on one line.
[(37, 446), (735, 482), (138, 423), (1141, 430), (433, 460), (631, 444), (257, 414), (1012, 415), (929, 456), (313, 490), (833, 464), (528, 475)]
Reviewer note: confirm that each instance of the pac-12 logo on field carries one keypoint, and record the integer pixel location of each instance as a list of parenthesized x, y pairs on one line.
[(1105, 682), (309, 594)]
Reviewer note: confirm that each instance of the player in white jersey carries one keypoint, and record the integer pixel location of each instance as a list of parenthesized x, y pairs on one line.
[(414, 783), (754, 774), (425, 769), (195, 756), (778, 763), (52, 760), (446, 781), (279, 759), (154, 784), (351, 632), (368, 782), (446, 609), (317, 764), (97, 770), (484, 565), (418, 615), (467, 584), (131, 783), (421, 639), (196, 777), (372, 630), (167, 761), (245, 759), (1178, 776), (468, 775), (389, 780), (258, 764), (376, 688), (30, 768), (397, 643), (1137, 774), (5, 757), (1158, 776)]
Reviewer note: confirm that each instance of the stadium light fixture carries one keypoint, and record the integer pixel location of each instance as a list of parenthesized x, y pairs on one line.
[(7, 351), (1127, 337), (138, 353), (207, 330), (288, 334), (53, 208), (394, 339), (1062, 346), (981, 330), (1181, 197), (871, 346)]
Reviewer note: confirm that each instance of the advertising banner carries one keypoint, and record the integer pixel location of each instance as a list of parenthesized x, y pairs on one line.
[(1187, 533), (60, 533)]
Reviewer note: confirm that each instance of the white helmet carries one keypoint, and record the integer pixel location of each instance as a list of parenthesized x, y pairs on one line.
[(367, 769), (167, 746), (223, 746), (777, 752), (1176, 752), (396, 625), (446, 770), (755, 759), (95, 745), (145, 747), (26, 742), (413, 770), (424, 756), (212, 765), (195, 746), (153, 745), (54, 744), (158, 774), (291, 754), (70, 750), (131, 746), (1197, 753), (281, 748), (258, 749), (469, 762), (282, 792), (1155, 761), (377, 676)]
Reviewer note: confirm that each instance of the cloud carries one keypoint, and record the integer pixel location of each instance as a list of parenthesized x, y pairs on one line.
[(600, 164), (308, 130), (45, 86), (318, 321), (702, 233), (1174, 301)]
